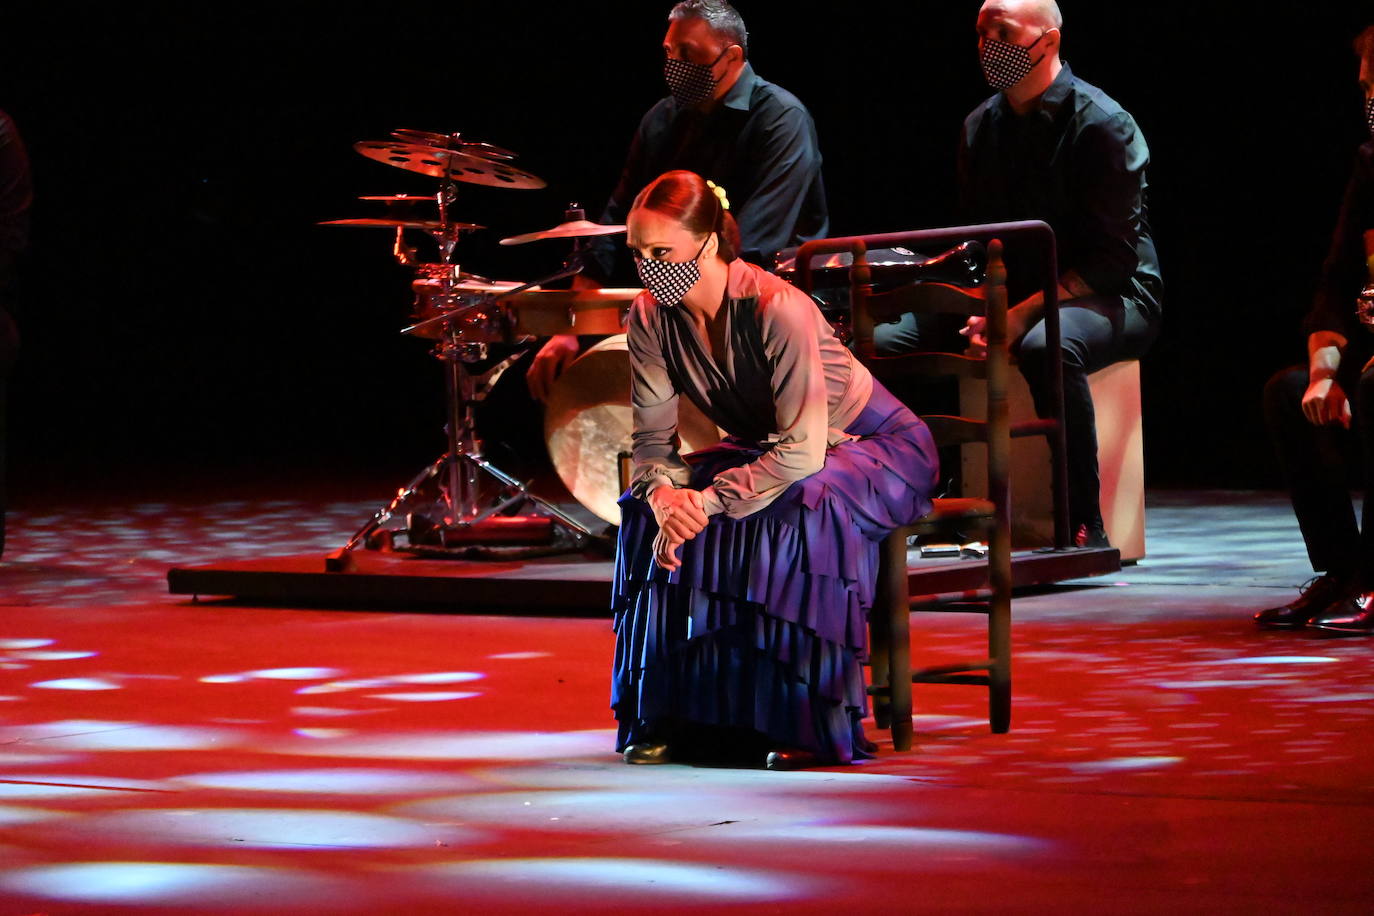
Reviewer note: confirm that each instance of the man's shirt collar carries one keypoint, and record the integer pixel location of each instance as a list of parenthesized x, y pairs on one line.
[(739, 94), (1050, 101)]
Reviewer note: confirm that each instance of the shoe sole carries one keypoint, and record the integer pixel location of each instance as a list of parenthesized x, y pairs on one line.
[(1343, 631)]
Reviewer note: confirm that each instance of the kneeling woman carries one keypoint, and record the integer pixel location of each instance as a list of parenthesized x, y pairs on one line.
[(744, 572)]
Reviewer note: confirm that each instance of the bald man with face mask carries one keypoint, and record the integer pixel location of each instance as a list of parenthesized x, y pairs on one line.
[(1052, 147)]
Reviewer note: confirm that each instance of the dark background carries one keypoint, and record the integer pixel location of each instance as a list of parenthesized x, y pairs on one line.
[(184, 318)]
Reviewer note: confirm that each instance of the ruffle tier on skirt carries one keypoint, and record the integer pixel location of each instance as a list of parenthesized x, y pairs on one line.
[(764, 627)]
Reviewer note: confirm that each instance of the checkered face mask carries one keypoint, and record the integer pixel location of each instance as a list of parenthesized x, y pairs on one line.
[(1369, 113), (1006, 64), (691, 83), (669, 281)]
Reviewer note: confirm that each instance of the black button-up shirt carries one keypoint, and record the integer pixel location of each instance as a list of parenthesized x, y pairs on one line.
[(1344, 273), (1077, 161), (759, 143)]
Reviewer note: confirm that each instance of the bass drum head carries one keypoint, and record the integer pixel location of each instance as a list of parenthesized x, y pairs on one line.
[(588, 423)]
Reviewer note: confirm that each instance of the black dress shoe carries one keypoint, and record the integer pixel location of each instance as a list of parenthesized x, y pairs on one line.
[(1352, 615), (647, 753), (1318, 595), (1091, 535), (793, 758)]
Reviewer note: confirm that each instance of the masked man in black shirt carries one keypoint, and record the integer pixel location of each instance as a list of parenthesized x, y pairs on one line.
[(721, 121), (1049, 146), (1311, 407)]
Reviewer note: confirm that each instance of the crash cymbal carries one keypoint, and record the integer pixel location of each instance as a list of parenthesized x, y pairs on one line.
[(578, 228), (451, 141), (429, 225), (462, 164)]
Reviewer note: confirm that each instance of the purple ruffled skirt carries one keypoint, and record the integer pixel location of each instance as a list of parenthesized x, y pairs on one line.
[(764, 628)]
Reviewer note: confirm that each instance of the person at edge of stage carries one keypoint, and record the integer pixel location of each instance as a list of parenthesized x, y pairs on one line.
[(744, 571), (1052, 147), (720, 119), (16, 195), (1311, 409)]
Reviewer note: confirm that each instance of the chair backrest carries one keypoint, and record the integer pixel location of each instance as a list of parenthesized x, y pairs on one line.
[(1036, 239)]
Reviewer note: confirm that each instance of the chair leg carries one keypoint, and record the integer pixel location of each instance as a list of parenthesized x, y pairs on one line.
[(880, 644), (898, 610), (999, 650)]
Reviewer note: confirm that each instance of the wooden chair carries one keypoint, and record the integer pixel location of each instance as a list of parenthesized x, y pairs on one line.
[(954, 519)]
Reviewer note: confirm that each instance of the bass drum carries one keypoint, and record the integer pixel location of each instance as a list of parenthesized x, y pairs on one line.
[(588, 421)]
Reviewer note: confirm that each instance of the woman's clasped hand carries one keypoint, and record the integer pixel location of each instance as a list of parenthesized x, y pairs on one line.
[(681, 516)]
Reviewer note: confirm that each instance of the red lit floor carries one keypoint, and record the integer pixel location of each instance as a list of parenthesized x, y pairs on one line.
[(160, 756)]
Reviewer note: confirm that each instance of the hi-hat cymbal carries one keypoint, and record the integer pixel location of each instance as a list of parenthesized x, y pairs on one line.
[(578, 228), (462, 164), (400, 198), (429, 225)]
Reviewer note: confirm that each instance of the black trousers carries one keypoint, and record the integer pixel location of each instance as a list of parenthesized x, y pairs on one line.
[(1094, 332), (1316, 462)]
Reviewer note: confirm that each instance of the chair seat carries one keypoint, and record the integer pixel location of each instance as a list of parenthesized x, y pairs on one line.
[(947, 512)]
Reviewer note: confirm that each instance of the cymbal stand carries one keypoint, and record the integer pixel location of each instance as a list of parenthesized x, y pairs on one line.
[(461, 471)]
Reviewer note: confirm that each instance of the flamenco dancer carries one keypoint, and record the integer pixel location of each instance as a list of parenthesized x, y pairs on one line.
[(744, 572)]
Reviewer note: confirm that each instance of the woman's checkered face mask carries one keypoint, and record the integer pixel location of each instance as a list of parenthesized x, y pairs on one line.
[(669, 281)]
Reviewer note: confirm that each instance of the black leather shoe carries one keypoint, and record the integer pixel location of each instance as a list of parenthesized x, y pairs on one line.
[(792, 758), (1352, 616), (1091, 535), (1318, 595), (645, 752)]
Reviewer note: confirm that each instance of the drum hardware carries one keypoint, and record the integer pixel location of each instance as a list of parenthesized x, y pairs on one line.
[(428, 225), (588, 425), (476, 499), (459, 475), (961, 265), (575, 225), (449, 157)]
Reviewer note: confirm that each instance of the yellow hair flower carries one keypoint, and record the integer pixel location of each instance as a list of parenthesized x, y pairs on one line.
[(720, 194)]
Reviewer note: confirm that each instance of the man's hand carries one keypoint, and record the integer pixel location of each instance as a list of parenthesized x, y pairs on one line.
[(1019, 321), (1325, 404), (549, 363)]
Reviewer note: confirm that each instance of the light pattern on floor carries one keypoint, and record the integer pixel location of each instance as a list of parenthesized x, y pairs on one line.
[(160, 755)]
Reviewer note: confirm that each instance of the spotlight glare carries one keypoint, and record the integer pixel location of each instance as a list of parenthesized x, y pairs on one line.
[(77, 683)]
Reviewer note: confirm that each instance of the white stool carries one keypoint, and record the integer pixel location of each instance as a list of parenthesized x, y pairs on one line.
[(1120, 458)]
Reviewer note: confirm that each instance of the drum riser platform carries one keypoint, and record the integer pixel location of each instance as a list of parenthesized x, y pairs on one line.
[(548, 587)]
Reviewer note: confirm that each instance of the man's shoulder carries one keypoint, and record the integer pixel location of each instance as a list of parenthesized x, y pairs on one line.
[(772, 97), (979, 115), (1095, 106), (660, 112)]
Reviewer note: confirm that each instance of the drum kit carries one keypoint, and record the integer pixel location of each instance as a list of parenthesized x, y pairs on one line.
[(462, 504)]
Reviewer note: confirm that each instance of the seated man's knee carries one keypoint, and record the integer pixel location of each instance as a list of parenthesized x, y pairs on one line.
[(897, 337), (1030, 354), (1362, 398), (1284, 390)]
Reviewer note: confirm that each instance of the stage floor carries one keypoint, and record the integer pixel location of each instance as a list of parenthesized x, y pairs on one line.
[(159, 755)]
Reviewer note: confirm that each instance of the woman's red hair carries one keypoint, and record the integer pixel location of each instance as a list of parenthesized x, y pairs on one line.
[(684, 196)]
